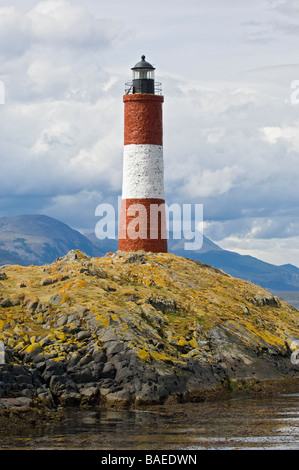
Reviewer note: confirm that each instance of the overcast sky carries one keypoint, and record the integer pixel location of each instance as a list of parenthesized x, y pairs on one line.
[(231, 117)]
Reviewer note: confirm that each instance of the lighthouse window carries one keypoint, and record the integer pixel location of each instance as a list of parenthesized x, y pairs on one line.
[(151, 74), (140, 74)]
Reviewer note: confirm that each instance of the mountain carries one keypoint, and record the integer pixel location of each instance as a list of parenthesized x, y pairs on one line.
[(38, 239), (174, 245), (106, 245), (274, 278)]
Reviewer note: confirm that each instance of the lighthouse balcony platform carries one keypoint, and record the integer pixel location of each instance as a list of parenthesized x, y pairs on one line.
[(130, 89)]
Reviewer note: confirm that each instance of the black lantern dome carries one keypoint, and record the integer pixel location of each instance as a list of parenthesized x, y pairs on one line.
[(143, 64), (143, 77)]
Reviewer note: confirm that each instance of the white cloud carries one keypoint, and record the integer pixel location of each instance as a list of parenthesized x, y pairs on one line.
[(57, 24), (15, 32), (274, 240), (289, 8), (277, 251), (62, 147), (221, 136), (63, 24), (207, 183), (59, 134), (59, 106), (77, 209), (287, 134), (49, 78)]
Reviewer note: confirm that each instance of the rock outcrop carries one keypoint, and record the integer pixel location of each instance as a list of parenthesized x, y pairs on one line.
[(142, 328)]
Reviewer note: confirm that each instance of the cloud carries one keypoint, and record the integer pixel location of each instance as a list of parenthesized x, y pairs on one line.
[(281, 20), (15, 32), (287, 134), (277, 251), (77, 209), (207, 183), (277, 226), (274, 240), (283, 16), (235, 149), (56, 24), (62, 147), (289, 8), (223, 141), (62, 24), (60, 128)]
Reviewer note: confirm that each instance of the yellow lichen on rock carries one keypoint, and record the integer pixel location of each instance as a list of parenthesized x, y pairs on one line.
[(120, 315)]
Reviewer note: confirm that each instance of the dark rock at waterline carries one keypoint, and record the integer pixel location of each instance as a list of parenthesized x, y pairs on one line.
[(139, 329)]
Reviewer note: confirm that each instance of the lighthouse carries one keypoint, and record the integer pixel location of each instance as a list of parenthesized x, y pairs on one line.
[(142, 224)]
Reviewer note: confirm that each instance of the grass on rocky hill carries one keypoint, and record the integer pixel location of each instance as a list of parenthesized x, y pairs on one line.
[(178, 299)]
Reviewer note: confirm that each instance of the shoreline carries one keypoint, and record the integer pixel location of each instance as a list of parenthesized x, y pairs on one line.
[(241, 421), (15, 413)]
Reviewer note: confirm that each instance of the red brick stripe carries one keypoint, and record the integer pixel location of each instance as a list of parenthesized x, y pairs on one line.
[(143, 119), (154, 236)]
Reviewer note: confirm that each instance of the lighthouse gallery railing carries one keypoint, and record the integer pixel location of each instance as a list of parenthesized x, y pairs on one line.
[(129, 88)]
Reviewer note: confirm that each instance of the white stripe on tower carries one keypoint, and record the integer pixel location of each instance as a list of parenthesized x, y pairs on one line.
[(143, 172)]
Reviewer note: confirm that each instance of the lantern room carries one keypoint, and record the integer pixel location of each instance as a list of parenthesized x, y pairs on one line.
[(143, 77)]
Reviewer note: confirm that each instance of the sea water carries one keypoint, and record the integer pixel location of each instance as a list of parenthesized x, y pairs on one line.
[(268, 422)]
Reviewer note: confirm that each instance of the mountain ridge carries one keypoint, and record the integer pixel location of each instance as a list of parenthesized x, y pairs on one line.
[(39, 239), (284, 278)]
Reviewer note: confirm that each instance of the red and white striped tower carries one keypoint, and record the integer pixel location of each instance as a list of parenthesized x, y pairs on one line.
[(142, 224)]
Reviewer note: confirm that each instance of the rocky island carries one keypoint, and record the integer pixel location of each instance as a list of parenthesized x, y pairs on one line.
[(132, 329)]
